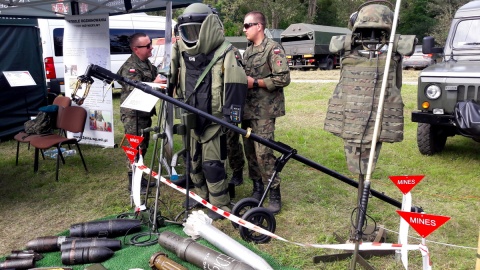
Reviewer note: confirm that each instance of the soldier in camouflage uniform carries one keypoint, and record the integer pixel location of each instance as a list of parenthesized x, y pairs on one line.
[(139, 68), (268, 73), (208, 75)]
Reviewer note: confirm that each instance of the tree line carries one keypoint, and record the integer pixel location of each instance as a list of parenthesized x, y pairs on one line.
[(416, 17)]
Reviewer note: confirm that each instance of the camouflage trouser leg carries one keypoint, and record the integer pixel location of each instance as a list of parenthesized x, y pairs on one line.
[(357, 156), (236, 158), (132, 125), (208, 170), (260, 158)]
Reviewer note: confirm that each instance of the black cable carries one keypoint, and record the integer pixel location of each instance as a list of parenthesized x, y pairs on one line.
[(354, 225)]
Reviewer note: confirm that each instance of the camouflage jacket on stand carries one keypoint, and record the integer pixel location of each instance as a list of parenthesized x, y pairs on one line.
[(353, 107)]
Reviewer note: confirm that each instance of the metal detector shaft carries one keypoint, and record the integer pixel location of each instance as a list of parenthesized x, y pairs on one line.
[(102, 73)]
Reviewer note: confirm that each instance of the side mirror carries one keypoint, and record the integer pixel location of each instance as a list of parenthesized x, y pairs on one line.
[(428, 46)]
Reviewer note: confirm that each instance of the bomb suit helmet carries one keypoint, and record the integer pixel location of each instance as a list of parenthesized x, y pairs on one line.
[(372, 16), (190, 22)]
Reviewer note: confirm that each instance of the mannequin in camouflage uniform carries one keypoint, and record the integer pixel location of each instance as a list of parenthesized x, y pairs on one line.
[(352, 109), (224, 85), (137, 67), (268, 73)]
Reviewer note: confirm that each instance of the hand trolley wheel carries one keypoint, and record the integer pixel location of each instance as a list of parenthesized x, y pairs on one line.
[(260, 217), (242, 206)]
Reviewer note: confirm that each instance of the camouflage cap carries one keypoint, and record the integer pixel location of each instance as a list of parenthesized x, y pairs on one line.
[(374, 16)]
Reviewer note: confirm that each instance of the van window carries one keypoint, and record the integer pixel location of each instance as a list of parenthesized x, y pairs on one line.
[(118, 39)]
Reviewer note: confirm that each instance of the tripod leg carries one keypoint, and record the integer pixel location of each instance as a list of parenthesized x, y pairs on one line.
[(161, 125)]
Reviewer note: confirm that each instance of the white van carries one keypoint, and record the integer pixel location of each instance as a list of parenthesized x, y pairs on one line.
[(121, 28)]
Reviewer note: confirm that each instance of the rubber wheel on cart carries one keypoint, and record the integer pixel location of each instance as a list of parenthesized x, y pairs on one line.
[(242, 206), (262, 218)]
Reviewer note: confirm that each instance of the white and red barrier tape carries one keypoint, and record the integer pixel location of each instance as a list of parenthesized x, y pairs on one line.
[(348, 246)]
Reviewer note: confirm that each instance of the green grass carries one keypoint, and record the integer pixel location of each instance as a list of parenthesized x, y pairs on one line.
[(315, 204)]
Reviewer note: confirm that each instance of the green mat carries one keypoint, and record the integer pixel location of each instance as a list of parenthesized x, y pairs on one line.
[(134, 256)]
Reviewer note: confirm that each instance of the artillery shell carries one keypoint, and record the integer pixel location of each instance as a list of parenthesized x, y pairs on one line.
[(25, 263), (105, 228), (112, 244), (24, 254), (199, 255), (86, 255), (47, 243)]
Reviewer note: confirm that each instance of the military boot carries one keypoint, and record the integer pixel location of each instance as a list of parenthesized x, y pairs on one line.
[(258, 189), (237, 178), (275, 203)]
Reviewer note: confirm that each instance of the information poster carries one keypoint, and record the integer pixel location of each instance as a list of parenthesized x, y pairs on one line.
[(86, 41)]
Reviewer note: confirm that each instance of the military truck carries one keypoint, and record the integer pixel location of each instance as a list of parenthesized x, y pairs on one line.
[(306, 46), (241, 42), (443, 85)]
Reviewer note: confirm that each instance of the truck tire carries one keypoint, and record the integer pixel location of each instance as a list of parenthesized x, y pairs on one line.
[(430, 139), (329, 64)]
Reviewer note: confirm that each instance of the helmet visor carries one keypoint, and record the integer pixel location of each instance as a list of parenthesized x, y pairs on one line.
[(189, 31)]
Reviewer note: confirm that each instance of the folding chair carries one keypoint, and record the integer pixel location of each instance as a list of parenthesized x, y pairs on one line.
[(73, 120), (23, 137)]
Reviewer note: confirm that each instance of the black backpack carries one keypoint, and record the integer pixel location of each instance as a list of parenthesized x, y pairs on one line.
[(44, 122)]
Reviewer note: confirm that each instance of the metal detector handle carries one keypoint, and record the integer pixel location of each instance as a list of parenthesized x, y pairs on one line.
[(279, 164), (283, 159)]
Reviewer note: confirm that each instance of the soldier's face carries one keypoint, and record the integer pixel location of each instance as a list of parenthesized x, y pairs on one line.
[(250, 27), (143, 48)]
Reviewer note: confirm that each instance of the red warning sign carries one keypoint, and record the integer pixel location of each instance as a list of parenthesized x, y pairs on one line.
[(130, 152), (406, 182), (424, 224), (134, 140)]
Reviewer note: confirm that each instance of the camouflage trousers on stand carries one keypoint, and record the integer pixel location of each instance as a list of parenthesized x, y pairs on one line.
[(357, 156)]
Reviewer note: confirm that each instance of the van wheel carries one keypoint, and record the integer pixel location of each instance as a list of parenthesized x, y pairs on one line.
[(430, 139)]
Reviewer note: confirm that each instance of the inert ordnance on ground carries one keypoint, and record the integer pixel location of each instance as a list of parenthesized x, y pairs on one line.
[(160, 261), (189, 250), (47, 243), (106, 228), (112, 244), (86, 255), (307, 45), (24, 263)]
